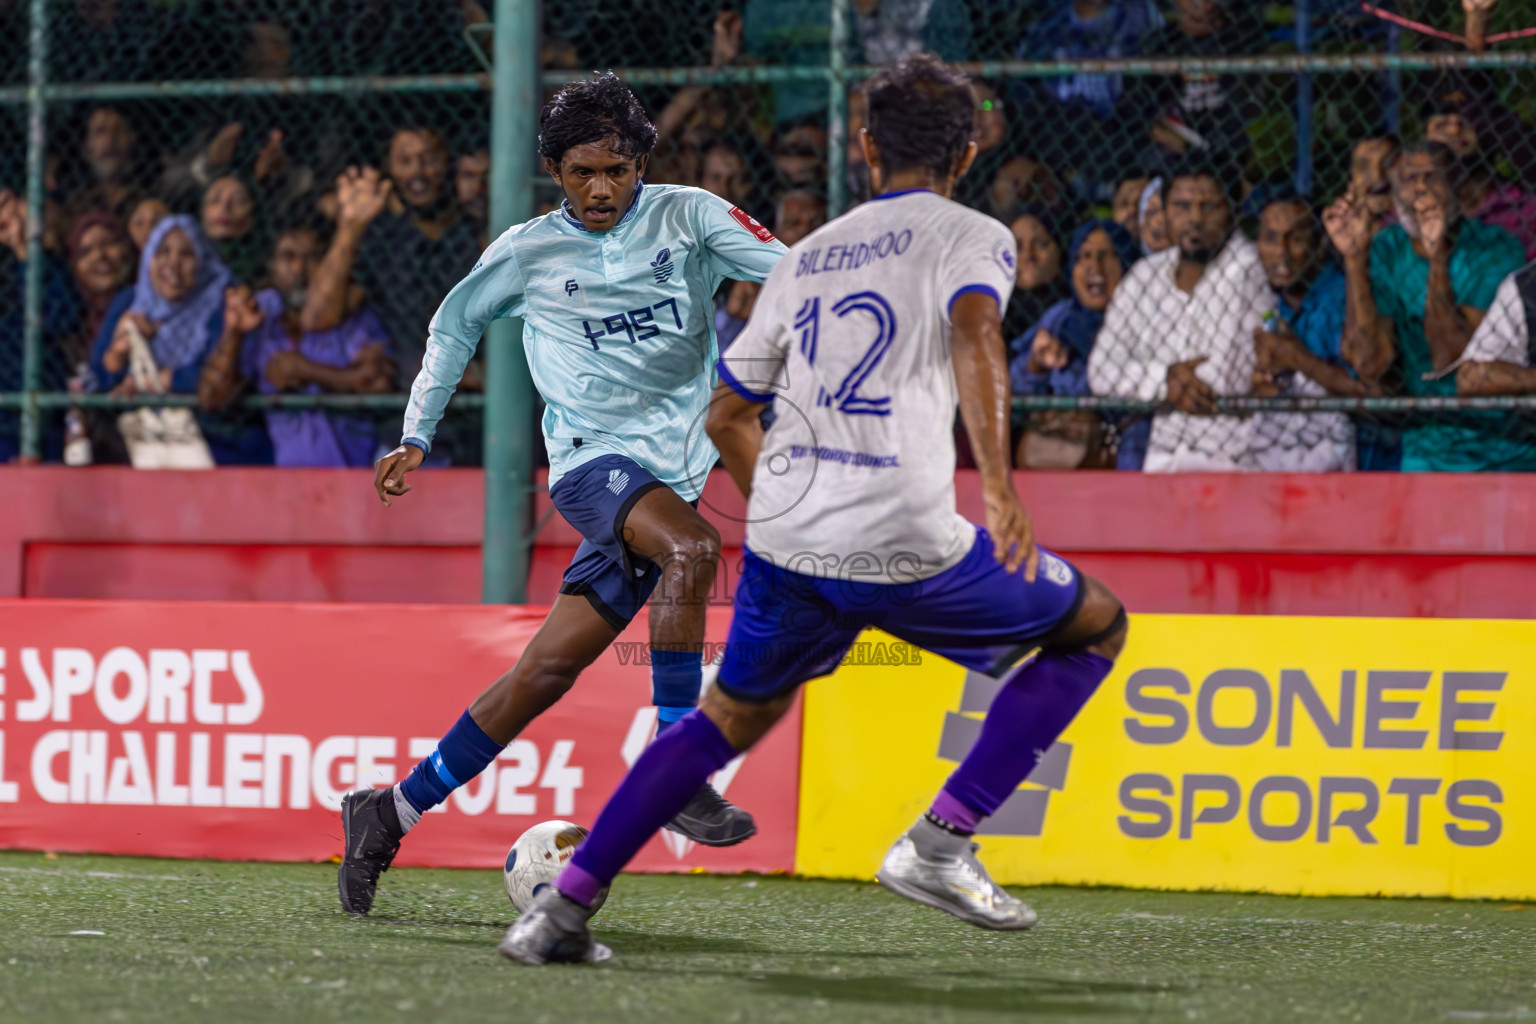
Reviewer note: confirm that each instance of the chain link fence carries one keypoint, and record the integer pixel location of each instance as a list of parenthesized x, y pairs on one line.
[(245, 116)]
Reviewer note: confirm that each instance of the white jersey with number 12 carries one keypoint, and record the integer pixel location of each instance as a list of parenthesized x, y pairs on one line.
[(850, 340)]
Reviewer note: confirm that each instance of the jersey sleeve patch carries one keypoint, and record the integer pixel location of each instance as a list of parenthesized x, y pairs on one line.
[(982, 289), (752, 224), (729, 380)]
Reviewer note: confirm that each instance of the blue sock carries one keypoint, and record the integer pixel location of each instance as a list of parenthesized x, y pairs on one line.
[(461, 754), (676, 678)]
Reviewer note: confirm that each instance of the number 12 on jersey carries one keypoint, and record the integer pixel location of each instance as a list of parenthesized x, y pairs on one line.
[(847, 398)]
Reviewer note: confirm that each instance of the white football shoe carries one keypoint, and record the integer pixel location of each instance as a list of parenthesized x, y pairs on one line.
[(958, 886)]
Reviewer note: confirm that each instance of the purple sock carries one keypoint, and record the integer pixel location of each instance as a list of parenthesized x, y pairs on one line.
[(661, 782), (1028, 713)]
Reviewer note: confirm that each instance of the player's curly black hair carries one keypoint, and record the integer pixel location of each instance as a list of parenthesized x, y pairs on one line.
[(920, 113), (598, 109)]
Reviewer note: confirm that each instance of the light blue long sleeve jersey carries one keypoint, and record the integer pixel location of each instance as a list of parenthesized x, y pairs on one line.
[(618, 328)]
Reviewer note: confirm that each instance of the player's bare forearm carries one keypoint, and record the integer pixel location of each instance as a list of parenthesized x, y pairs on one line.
[(1446, 326), (1495, 378), (325, 306), (1369, 341), (735, 426), (981, 377)]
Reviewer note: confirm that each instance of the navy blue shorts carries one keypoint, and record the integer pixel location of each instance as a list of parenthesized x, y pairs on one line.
[(595, 498), (789, 627)]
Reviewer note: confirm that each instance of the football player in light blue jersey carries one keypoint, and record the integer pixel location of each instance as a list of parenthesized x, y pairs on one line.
[(615, 290)]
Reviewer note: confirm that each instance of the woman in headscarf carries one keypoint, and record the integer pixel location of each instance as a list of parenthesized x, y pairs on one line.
[(1038, 280), (1051, 358), (177, 303)]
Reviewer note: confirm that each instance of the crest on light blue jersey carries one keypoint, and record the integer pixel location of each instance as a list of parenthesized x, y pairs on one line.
[(661, 266)]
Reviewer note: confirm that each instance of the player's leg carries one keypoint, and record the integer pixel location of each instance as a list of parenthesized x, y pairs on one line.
[(374, 821), (758, 678), (1079, 627), (663, 529), (602, 591)]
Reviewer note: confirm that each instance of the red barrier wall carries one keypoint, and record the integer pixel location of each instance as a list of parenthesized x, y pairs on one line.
[(230, 731), (1366, 544)]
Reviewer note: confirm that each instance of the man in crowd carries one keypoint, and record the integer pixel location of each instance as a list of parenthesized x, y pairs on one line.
[(1415, 295), (1369, 162), (109, 152), (472, 185), (405, 243), (1297, 351), (800, 155), (1180, 329), (725, 174), (1501, 360), (264, 344)]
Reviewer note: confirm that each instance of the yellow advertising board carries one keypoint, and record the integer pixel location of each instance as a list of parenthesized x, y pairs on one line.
[(1288, 755)]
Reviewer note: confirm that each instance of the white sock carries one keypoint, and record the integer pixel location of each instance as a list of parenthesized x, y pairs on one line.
[(407, 814)]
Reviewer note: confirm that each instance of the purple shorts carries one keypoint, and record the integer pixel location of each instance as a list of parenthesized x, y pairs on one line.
[(789, 627)]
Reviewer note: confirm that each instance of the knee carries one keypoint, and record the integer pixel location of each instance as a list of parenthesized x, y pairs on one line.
[(696, 549), (1100, 624), (1111, 646), (741, 723)]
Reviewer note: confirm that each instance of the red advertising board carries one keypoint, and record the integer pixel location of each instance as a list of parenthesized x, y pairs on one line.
[(231, 731)]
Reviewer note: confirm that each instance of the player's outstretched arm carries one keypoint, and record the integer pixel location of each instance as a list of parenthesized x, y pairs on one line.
[(735, 426), (981, 377)]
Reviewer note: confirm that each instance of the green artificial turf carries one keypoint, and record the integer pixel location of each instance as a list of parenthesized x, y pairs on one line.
[(201, 941)]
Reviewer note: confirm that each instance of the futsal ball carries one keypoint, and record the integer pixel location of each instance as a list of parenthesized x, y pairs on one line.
[(538, 857)]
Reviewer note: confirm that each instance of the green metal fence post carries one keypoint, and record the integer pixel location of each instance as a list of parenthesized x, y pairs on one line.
[(837, 111), (32, 303), (509, 390)]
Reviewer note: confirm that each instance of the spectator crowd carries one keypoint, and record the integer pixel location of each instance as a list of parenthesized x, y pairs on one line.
[(1162, 255)]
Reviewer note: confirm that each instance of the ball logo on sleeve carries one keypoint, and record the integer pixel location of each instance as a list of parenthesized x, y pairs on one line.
[(1055, 570), (1002, 252), (752, 224)]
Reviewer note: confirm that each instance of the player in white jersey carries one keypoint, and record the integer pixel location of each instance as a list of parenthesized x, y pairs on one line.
[(865, 337), (615, 291)]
